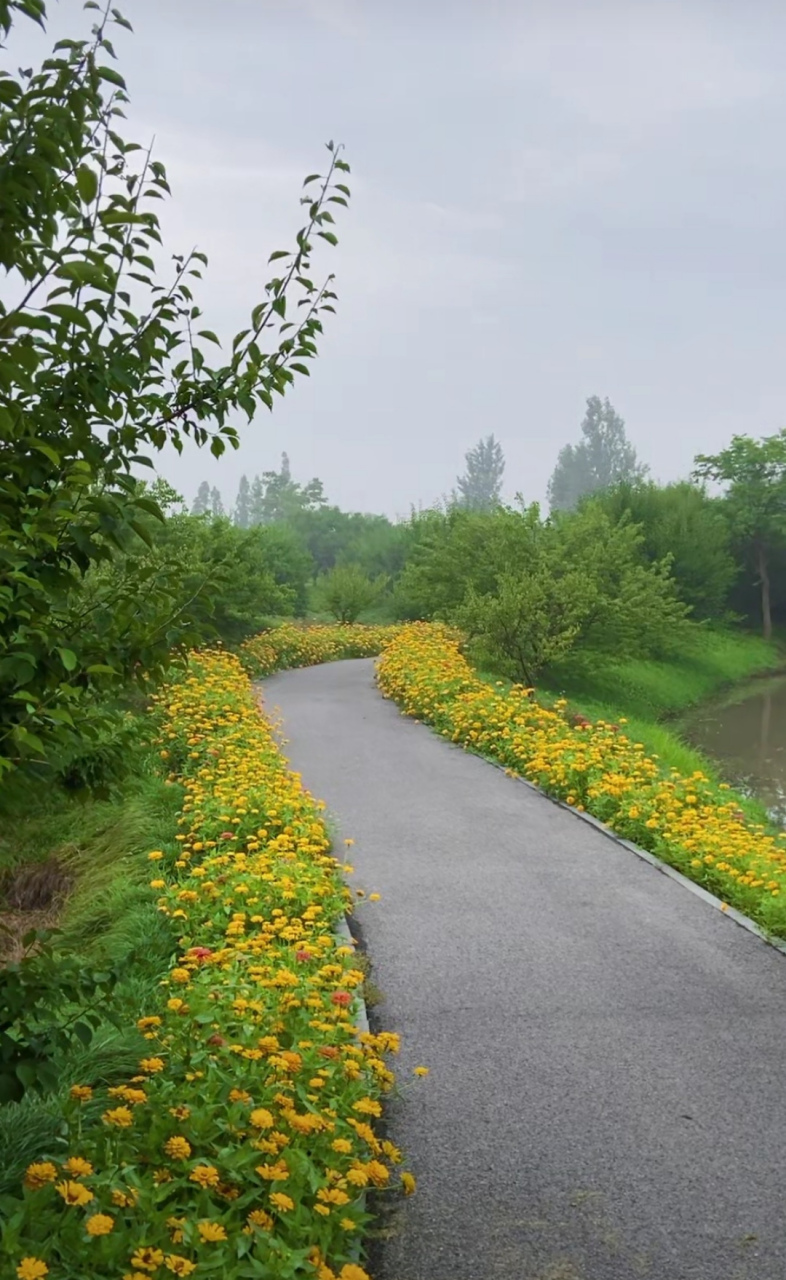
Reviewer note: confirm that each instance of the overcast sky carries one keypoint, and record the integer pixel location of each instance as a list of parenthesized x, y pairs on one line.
[(550, 201)]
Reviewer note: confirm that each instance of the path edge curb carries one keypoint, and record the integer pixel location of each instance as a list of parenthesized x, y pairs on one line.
[(698, 890)]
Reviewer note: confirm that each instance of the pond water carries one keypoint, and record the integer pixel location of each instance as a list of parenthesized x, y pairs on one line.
[(746, 734)]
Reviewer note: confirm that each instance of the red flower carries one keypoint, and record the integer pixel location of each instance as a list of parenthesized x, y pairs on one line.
[(200, 953), (227, 835), (216, 1040), (302, 955), (341, 997)]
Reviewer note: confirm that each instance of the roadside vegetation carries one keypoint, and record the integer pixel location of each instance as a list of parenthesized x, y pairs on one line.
[(132, 621)]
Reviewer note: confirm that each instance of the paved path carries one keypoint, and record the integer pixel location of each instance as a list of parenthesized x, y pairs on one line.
[(607, 1097)]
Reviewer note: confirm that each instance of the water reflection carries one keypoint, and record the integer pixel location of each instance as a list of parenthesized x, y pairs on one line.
[(747, 736)]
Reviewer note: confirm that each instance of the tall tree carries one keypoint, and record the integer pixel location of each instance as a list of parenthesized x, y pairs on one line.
[(480, 486), (276, 496), (755, 473), (603, 457), (216, 503), (202, 500), (256, 502), (242, 511)]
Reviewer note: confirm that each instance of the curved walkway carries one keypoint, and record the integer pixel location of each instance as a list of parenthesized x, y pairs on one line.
[(607, 1097)]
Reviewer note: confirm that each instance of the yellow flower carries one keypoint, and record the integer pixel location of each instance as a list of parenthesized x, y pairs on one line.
[(74, 1193), (155, 856), (347, 1224), (342, 1145), (147, 1258), (179, 1266), (281, 1202), (259, 1218), (152, 1065), (351, 1271), (121, 1117), (39, 1173), (125, 1199), (99, 1224), (261, 1118), (180, 1113), (178, 1148), (77, 1167), (205, 1174), (211, 1232), (408, 1183), (180, 975), (421, 1071), (80, 1092), (368, 1107), (32, 1269), (175, 1226), (239, 1095)]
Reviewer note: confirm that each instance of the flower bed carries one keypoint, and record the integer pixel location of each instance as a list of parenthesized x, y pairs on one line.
[(302, 646), (691, 822), (243, 1145)]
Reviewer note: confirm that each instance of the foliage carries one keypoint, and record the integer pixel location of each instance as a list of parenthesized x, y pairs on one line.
[(529, 591), (682, 522), (689, 821), (755, 473), (243, 1143), (48, 1002), (99, 364), (242, 512), (275, 496), (346, 592), (603, 457), (480, 487)]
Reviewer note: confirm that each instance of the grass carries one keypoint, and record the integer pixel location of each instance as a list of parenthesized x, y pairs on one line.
[(706, 663), (92, 852)]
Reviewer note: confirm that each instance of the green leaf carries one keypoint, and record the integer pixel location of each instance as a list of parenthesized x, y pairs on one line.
[(279, 253), (211, 337), (68, 659), (87, 183), (47, 451), (329, 236), (114, 77)]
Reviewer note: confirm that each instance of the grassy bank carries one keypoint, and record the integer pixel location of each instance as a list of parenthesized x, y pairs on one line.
[(653, 694), (74, 868)]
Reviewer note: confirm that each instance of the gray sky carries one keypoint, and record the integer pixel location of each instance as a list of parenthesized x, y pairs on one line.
[(549, 201)]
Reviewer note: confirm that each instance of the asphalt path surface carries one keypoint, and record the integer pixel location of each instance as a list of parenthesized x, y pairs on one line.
[(607, 1088)]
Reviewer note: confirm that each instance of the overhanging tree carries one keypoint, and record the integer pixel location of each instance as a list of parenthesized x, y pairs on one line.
[(102, 363)]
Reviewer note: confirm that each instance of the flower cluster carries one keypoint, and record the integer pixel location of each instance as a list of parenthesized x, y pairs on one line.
[(692, 823), (244, 1143), (304, 646)]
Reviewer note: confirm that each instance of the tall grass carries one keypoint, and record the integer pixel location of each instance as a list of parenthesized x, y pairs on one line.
[(109, 919)]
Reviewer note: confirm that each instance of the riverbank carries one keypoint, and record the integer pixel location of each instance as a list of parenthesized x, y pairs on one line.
[(654, 696)]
